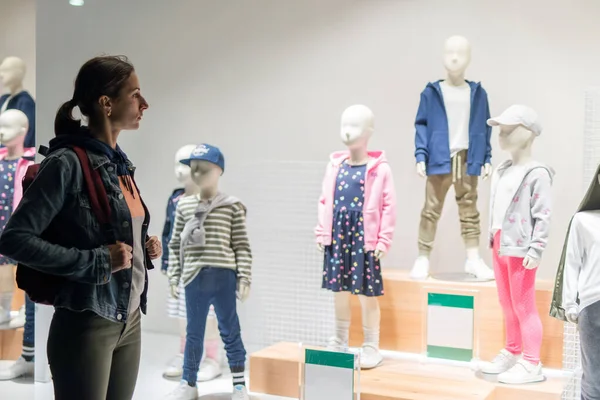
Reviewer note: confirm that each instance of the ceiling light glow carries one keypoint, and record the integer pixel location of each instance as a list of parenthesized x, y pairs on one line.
[(76, 2)]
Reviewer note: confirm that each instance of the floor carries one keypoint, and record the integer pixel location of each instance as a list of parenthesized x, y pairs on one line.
[(151, 385)]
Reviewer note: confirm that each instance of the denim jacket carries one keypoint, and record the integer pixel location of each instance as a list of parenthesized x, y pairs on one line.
[(55, 231)]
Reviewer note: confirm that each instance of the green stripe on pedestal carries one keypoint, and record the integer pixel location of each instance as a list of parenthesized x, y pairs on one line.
[(450, 300), (449, 353), (329, 358)]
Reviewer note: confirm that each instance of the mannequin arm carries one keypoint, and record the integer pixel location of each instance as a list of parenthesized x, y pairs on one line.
[(486, 171), (573, 264), (44, 199), (174, 267), (421, 138), (388, 211), (541, 210), (241, 245)]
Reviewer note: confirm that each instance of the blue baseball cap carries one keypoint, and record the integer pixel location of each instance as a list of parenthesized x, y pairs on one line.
[(206, 152)]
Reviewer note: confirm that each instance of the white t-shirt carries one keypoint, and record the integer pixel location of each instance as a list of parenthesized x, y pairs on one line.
[(457, 101), (507, 186), (582, 262)]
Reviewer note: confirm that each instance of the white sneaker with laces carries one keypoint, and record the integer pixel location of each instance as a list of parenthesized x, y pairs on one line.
[(175, 367), (183, 392), (337, 345), (370, 357), (209, 370), (523, 372), (18, 369), (501, 363), (240, 393), (420, 269), (479, 269)]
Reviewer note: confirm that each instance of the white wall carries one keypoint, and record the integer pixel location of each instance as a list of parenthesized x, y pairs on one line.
[(267, 80), (17, 36)]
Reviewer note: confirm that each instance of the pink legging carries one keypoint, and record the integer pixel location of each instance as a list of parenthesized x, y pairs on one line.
[(516, 291)]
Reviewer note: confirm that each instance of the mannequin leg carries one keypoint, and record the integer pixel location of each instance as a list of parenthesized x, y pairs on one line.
[(176, 310), (465, 189), (371, 319), (342, 321), (210, 367), (589, 333), (522, 285), (436, 189), (7, 288)]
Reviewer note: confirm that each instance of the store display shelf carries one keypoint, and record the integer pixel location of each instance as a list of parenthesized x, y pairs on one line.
[(404, 314), (276, 371)]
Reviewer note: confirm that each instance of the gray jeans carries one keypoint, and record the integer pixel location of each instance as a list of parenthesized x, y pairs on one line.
[(589, 336)]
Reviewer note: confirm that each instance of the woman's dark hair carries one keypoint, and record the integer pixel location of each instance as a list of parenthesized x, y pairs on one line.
[(100, 76)]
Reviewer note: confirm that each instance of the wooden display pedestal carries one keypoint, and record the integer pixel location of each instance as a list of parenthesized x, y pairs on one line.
[(416, 316), (276, 371), (404, 317), (11, 340)]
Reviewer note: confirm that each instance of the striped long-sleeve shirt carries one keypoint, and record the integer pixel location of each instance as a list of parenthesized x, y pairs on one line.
[(226, 245)]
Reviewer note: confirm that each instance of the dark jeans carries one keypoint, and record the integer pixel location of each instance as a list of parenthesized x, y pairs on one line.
[(29, 328), (93, 358), (214, 286), (589, 336)]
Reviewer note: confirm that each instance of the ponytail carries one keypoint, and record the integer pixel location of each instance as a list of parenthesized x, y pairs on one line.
[(64, 123)]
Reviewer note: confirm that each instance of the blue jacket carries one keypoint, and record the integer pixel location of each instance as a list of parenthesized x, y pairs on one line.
[(168, 227), (432, 144), (24, 102), (55, 231)]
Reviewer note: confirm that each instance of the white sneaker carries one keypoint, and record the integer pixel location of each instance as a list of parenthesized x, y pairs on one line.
[(502, 363), (175, 368), (420, 269), (370, 357), (18, 369), (240, 393), (183, 392), (479, 269), (209, 370), (337, 345), (523, 372)]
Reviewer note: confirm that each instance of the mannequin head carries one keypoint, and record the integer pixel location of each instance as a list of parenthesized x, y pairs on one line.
[(207, 165), (457, 55), (357, 126), (519, 125), (13, 127), (182, 171), (12, 73)]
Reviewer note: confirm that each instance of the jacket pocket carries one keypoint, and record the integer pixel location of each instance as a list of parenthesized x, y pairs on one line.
[(439, 150), (515, 233), (85, 214)]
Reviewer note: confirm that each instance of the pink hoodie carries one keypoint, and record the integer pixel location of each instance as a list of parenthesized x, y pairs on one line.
[(379, 210), (22, 165)]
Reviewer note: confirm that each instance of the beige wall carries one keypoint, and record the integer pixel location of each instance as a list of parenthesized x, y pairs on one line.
[(17, 36)]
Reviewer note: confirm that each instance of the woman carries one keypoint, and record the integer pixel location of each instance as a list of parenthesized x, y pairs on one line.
[(94, 340)]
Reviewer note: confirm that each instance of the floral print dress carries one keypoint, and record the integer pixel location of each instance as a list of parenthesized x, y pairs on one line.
[(347, 267), (7, 192)]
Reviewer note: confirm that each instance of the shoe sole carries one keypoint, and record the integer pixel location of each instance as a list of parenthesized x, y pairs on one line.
[(523, 382)]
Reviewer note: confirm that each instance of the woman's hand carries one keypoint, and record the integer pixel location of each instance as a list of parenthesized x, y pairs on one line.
[(154, 247), (121, 255)]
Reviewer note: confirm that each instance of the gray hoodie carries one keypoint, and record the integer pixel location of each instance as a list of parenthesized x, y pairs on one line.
[(590, 202), (526, 224)]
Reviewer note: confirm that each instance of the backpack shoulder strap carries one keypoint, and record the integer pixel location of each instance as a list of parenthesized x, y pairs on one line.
[(96, 191)]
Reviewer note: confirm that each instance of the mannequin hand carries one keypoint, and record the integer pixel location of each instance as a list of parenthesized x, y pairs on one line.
[(486, 171), (174, 291), (379, 254), (164, 271), (530, 263), (243, 290), (572, 315), (421, 169), (154, 247), (320, 247)]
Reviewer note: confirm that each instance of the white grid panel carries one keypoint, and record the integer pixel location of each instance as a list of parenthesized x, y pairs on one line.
[(591, 159), (286, 302)]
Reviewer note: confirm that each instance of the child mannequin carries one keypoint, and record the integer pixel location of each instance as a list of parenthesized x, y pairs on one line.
[(211, 258)]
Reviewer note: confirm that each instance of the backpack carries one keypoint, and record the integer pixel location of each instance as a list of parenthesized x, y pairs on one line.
[(43, 288)]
